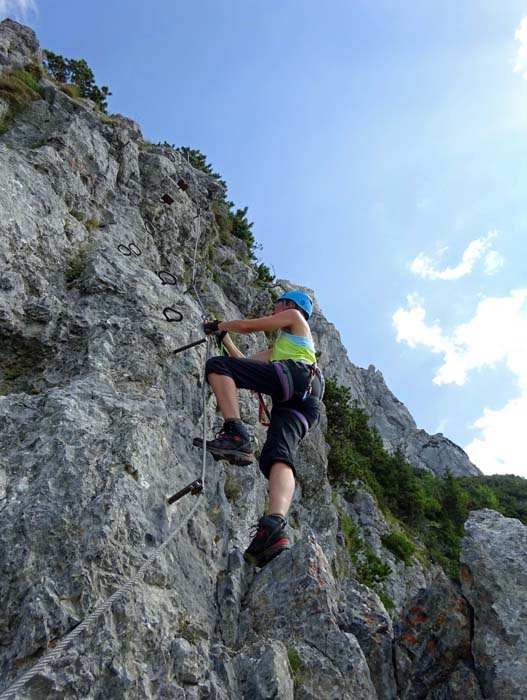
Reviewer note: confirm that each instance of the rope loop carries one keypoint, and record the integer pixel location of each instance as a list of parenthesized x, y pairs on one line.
[(172, 315), (128, 250), (150, 227), (162, 274)]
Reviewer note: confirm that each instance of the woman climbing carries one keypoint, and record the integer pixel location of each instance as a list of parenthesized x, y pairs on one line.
[(288, 373)]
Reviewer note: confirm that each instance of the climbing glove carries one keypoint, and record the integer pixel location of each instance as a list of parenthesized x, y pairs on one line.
[(211, 327)]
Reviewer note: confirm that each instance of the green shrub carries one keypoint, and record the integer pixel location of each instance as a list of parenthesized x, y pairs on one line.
[(77, 72), (296, 667), (73, 91), (294, 660), (30, 80), (199, 161), (433, 508), (504, 493), (92, 224), (398, 543), (264, 276), (77, 262), (370, 570), (231, 489), (386, 601), (230, 222), (220, 213), (241, 228)]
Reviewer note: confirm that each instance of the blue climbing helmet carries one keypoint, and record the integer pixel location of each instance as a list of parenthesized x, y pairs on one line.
[(303, 301)]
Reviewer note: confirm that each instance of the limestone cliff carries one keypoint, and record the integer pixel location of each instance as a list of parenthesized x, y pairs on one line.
[(97, 416)]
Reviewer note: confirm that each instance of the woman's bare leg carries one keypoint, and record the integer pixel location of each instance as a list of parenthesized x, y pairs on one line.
[(281, 488), (224, 389)]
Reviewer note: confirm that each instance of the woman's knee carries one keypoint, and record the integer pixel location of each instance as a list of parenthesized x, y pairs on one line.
[(216, 365)]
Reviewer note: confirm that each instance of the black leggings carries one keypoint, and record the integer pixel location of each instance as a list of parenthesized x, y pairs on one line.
[(292, 416)]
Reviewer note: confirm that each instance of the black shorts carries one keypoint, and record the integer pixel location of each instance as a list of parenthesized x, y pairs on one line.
[(292, 416)]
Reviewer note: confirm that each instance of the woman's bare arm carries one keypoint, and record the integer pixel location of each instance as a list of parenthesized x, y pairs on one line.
[(231, 348), (263, 355), (233, 351), (291, 318)]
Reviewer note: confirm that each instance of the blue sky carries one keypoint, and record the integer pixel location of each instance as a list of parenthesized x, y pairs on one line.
[(381, 150)]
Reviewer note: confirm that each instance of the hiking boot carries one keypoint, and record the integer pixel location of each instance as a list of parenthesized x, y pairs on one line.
[(232, 443), (270, 539)]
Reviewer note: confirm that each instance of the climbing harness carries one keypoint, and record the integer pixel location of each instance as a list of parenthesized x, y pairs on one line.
[(313, 369), (264, 416), (263, 411), (195, 488)]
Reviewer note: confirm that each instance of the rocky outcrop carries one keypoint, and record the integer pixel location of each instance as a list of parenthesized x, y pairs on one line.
[(433, 646), (97, 416), (399, 432), (403, 581), (332, 663), (362, 614), (18, 46), (494, 581)]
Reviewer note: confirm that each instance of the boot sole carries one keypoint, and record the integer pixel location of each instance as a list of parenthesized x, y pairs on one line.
[(266, 556), (240, 459)]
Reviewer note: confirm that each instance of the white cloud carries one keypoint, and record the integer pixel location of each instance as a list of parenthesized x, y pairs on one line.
[(493, 262), (441, 426), (425, 267), (20, 10), (501, 447), (497, 334), (412, 328), (521, 59)]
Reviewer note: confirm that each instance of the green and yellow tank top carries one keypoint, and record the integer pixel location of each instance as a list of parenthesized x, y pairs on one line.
[(294, 347)]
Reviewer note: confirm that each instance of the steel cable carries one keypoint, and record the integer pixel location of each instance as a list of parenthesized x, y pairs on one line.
[(51, 654)]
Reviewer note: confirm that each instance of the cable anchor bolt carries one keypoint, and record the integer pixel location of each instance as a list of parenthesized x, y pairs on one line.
[(194, 488)]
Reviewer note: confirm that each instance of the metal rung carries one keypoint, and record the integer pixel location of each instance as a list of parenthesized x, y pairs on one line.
[(194, 488)]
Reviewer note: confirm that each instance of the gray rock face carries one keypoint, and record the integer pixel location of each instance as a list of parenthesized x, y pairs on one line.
[(97, 416), (403, 582), (494, 581), (300, 582), (18, 46), (362, 614), (265, 672), (433, 646)]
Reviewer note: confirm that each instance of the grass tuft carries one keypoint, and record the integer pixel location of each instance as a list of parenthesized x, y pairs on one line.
[(18, 89)]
